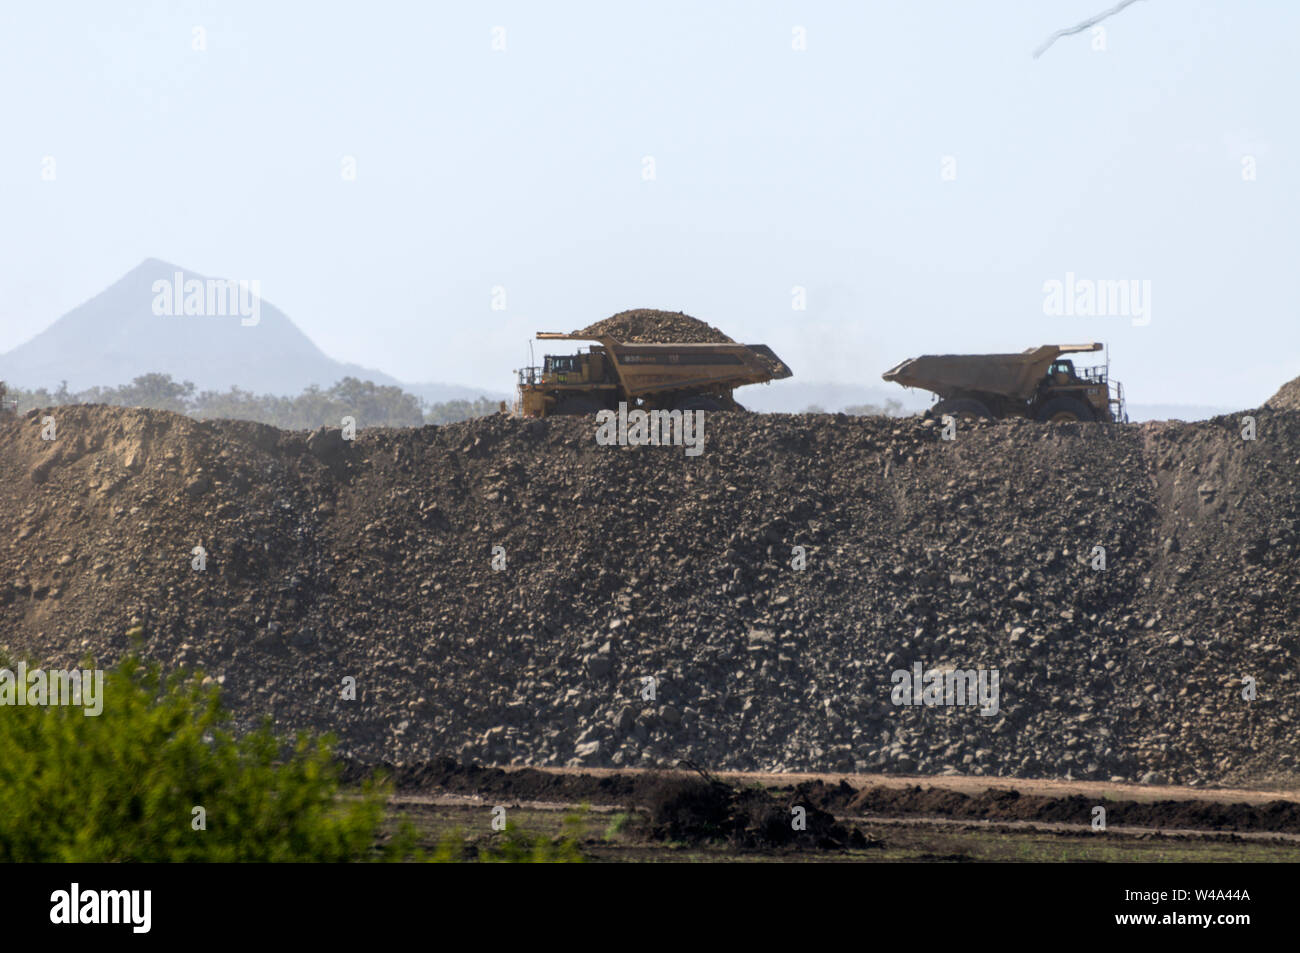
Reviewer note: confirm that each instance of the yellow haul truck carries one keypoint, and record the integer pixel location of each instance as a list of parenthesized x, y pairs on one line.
[(1037, 383), (649, 376)]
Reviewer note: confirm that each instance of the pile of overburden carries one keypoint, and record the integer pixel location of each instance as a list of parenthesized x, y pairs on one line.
[(649, 608), (1287, 396), (702, 809), (647, 326)]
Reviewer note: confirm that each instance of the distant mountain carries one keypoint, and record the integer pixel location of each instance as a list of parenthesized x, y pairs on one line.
[(238, 340)]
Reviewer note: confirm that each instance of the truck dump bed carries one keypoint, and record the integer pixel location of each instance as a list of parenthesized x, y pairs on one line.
[(650, 368), (1011, 375)]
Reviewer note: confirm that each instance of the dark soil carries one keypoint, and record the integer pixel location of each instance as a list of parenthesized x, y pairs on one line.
[(998, 804), (687, 807), (698, 809), (525, 784)]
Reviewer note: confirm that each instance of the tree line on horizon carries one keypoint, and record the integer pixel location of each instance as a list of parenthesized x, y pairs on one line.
[(373, 405), (890, 408)]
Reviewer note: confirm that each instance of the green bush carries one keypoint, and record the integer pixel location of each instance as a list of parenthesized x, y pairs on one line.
[(122, 786)]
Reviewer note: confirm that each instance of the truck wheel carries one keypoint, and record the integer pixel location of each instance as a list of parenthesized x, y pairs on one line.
[(1065, 410), (577, 407), (965, 407), (698, 403)]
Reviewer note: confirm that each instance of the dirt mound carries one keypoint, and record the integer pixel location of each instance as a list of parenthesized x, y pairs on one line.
[(648, 326), (1001, 804), (1287, 396), (524, 784), (696, 809), (650, 608)]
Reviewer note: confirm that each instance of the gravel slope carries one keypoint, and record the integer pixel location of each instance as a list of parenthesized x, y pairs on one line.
[(373, 560)]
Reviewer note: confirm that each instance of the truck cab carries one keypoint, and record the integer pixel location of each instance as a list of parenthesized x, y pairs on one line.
[(584, 368), (1061, 372), (1089, 387), (566, 383)]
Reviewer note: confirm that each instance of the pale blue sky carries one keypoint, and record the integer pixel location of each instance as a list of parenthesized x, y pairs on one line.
[(775, 168)]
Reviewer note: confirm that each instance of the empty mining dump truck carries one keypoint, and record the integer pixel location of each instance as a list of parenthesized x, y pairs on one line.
[(1037, 383), (650, 376)]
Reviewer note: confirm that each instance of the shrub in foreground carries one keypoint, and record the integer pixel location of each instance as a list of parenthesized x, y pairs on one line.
[(126, 785)]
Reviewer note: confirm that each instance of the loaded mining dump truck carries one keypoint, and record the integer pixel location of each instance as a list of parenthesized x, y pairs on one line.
[(649, 376), (1037, 383)]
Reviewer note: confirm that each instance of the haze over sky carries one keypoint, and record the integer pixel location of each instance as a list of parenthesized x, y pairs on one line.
[(774, 168)]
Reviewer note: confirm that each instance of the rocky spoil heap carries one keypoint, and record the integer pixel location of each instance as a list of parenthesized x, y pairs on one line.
[(1287, 396), (373, 559)]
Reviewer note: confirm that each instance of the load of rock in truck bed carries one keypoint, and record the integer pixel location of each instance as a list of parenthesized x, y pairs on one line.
[(648, 326)]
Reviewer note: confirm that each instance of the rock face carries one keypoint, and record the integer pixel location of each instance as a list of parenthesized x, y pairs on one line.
[(647, 326), (647, 606)]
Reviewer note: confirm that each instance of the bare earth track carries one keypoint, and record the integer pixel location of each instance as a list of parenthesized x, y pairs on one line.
[(894, 818)]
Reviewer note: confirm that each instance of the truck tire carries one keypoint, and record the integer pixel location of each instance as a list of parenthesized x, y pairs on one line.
[(698, 403), (966, 407), (1065, 410), (577, 407)]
